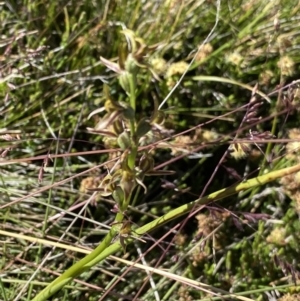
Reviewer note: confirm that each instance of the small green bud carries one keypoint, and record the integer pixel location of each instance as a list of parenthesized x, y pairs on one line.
[(146, 163), (131, 64), (124, 79), (118, 127), (143, 128), (124, 141), (128, 113), (118, 195), (159, 118), (127, 183), (105, 185), (110, 105)]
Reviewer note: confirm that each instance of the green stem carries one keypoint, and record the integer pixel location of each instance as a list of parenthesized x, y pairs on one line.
[(76, 269), (132, 100)]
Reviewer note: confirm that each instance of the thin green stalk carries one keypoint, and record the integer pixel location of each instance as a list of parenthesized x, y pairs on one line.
[(132, 99), (76, 269), (135, 198), (2, 290), (249, 28)]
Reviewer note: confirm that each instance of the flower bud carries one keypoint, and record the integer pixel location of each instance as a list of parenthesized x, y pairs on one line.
[(143, 128), (127, 184), (124, 141), (159, 118), (124, 79), (118, 127), (146, 163), (128, 113), (131, 64), (118, 195)]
